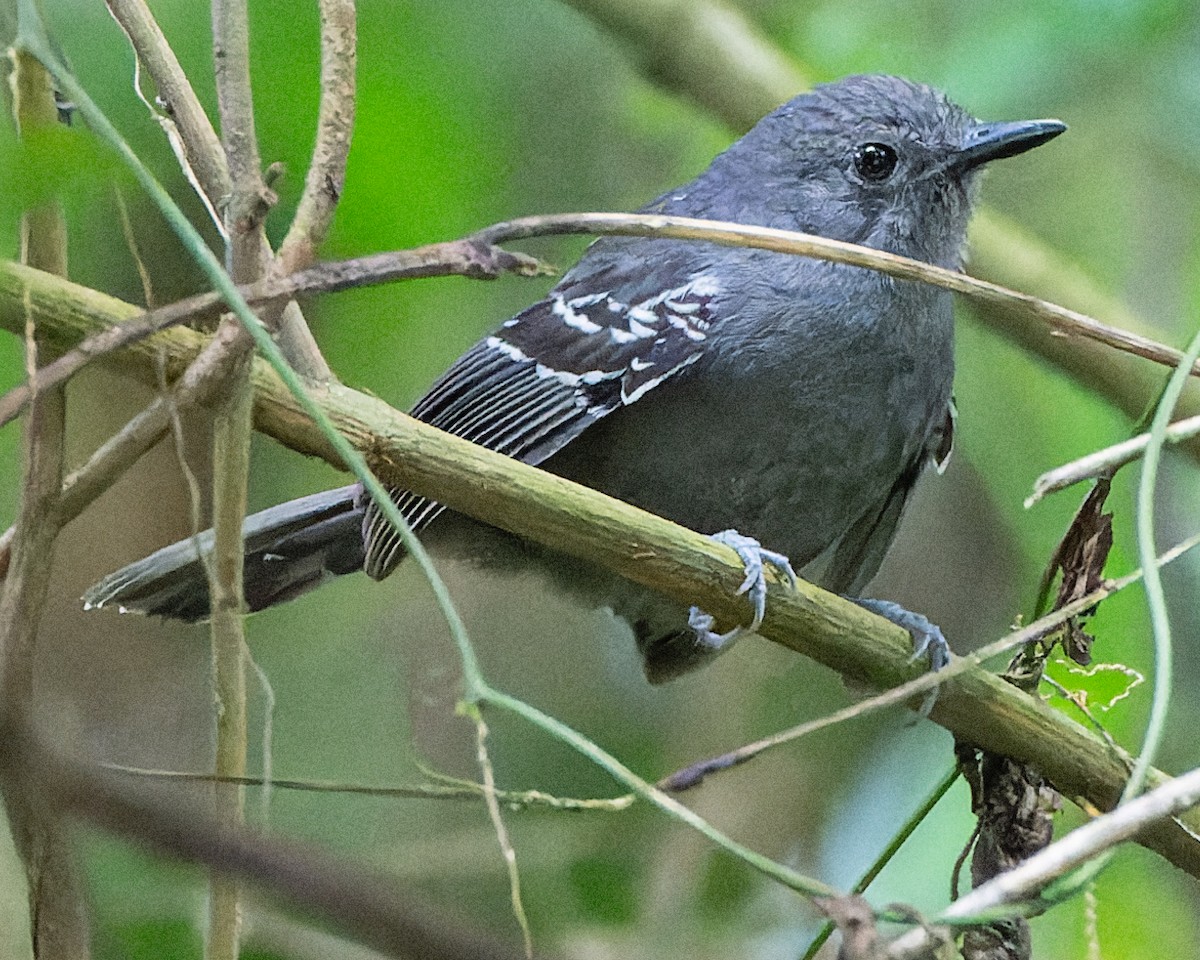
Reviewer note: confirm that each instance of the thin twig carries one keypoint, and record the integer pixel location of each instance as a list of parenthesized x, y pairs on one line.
[(455, 790), (335, 122), (455, 258), (1027, 880), (58, 920), (246, 254), (231, 461), (324, 181), (477, 256), (131, 244), (1106, 460), (203, 153), (492, 802), (1061, 320), (249, 199)]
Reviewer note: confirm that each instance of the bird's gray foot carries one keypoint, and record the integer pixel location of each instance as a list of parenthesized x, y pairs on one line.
[(927, 637), (754, 558)]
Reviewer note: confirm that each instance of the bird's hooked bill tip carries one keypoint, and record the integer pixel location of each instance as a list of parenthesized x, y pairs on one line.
[(985, 142)]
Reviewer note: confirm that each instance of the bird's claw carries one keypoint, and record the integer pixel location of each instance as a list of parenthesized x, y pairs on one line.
[(702, 626), (754, 558), (927, 638)]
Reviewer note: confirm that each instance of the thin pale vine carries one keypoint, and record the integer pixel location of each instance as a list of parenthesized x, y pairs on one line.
[(1160, 623), (484, 760), (453, 789)]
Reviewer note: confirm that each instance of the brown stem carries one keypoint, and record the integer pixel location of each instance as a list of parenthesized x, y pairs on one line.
[(477, 256), (335, 124), (247, 253), (57, 912)]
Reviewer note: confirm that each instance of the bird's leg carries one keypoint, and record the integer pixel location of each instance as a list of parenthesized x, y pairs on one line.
[(754, 557), (927, 637)]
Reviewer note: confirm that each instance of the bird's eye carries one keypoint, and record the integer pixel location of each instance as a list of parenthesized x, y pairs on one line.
[(874, 161)]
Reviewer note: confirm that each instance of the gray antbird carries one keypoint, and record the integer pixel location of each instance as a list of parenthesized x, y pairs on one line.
[(726, 389)]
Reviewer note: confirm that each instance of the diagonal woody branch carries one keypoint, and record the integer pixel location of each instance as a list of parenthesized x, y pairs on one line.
[(478, 256), (975, 705)]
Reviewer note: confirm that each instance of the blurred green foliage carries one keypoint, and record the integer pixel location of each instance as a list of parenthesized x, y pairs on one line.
[(473, 111)]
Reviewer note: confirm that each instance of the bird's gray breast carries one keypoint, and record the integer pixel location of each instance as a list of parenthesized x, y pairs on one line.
[(808, 405)]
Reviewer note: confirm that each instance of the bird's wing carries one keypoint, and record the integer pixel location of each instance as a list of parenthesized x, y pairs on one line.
[(610, 332)]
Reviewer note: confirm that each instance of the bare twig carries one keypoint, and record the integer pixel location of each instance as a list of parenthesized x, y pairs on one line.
[(1060, 320), (335, 122), (1106, 460), (246, 255), (57, 912), (202, 150), (1028, 879), (204, 161), (324, 181), (492, 802), (477, 256), (231, 461), (455, 258), (249, 199), (113, 458), (455, 789)]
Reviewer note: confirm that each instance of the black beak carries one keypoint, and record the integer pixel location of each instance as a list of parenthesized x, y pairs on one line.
[(995, 141)]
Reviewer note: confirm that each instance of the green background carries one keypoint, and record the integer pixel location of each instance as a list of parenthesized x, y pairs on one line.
[(471, 112)]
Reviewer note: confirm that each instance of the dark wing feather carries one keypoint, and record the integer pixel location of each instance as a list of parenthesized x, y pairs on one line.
[(595, 344)]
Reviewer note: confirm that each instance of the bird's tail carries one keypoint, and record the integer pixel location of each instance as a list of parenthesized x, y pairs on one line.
[(290, 549)]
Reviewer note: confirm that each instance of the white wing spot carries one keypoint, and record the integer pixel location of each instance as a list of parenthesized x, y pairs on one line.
[(630, 397), (573, 319), (506, 348)]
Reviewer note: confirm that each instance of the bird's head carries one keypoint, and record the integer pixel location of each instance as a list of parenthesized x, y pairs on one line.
[(875, 160)]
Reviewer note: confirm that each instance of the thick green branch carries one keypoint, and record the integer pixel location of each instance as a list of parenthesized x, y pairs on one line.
[(975, 706)]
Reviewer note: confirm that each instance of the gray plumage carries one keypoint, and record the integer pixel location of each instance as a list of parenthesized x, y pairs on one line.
[(792, 399)]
